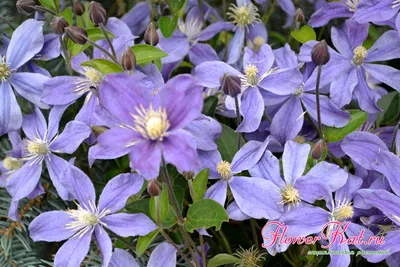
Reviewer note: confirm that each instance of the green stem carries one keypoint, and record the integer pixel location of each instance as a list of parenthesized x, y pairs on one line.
[(289, 260), (321, 135), (239, 120), (186, 237), (393, 145), (254, 231), (267, 116), (45, 9), (103, 29), (225, 241), (268, 15), (201, 12), (203, 251), (123, 241), (164, 234), (67, 58), (7, 22), (103, 50)]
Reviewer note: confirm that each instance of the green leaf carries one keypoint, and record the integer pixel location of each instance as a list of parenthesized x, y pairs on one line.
[(390, 104), (140, 206), (94, 34), (67, 14), (199, 185), (305, 34), (210, 104), (51, 4), (145, 241), (222, 259), (177, 6), (170, 220), (84, 21), (167, 25), (147, 53), (103, 65), (163, 205), (205, 213), (227, 143), (332, 134)]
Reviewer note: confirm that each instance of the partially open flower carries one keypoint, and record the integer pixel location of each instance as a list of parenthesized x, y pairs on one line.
[(77, 34), (128, 59), (97, 13), (318, 150), (78, 8), (231, 85), (320, 53), (154, 188), (58, 25)]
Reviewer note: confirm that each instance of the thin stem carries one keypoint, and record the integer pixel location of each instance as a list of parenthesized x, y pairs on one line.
[(254, 231), (225, 240), (203, 250), (67, 59), (7, 22), (103, 29), (225, 10), (268, 15), (186, 237), (321, 135), (289, 260), (45, 9), (239, 120), (164, 234), (123, 241), (267, 116), (393, 145), (201, 12), (103, 50)]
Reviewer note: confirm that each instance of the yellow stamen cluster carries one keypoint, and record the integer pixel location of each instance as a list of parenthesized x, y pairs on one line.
[(12, 164), (224, 170), (360, 53), (93, 75), (151, 124), (249, 257), (251, 74), (344, 212), (5, 71), (290, 195), (245, 15), (37, 148)]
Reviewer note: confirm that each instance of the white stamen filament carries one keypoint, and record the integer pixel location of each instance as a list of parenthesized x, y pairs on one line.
[(396, 3), (352, 4), (244, 15), (342, 211), (93, 78), (250, 77), (192, 28), (38, 148), (224, 170)]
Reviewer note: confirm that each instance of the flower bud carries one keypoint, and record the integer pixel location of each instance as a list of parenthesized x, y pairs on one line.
[(188, 175), (299, 15), (26, 7), (154, 188), (97, 13), (128, 59), (77, 34), (151, 35), (58, 25), (318, 150), (78, 8), (320, 53), (230, 85)]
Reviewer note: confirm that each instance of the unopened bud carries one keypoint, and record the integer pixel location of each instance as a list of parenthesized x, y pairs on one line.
[(320, 53), (318, 150), (151, 35), (97, 13), (188, 175), (26, 7), (299, 15), (231, 85), (77, 34), (154, 188), (78, 8), (58, 25), (128, 59)]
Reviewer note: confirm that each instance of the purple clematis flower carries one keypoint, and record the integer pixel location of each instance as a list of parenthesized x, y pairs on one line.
[(333, 10), (26, 42), (41, 144), (348, 71), (78, 225), (13, 160), (258, 75), (376, 11), (151, 128)]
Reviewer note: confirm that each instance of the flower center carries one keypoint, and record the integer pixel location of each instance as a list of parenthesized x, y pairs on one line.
[(37, 147), (192, 29), (12, 164), (5, 71), (290, 195), (244, 15), (360, 53), (343, 212), (93, 75), (298, 92), (249, 257), (224, 170), (352, 4), (151, 124), (251, 74)]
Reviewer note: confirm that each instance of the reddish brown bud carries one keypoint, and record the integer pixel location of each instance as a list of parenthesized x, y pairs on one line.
[(97, 13), (230, 85), (78, 8), (320, 53), (128, 59), (188, 175), (26, 7), (299, 15), (154, 188), (151, 35), (77, 34), (58, 25), (318, 150)]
